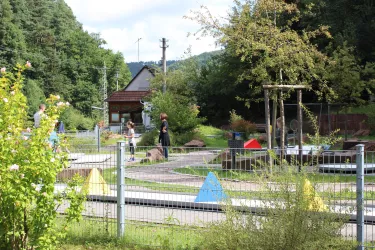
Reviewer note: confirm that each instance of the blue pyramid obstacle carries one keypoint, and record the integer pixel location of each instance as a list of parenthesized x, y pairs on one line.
[(211, 190)]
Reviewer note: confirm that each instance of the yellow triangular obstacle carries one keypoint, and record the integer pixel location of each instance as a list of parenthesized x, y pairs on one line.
[(95, 184), (314, 202)]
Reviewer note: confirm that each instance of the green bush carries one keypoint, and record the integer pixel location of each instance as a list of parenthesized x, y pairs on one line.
[(182, 117), (75, 120), (28, 170), (181, 139), (234, 117), (293, 219), (149, 138)]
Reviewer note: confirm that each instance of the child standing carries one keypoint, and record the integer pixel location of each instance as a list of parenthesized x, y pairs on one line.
[(130, 136)]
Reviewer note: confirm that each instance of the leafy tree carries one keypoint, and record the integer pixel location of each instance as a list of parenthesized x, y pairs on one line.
[(345, 76), (11, 37), (63, 54), (178, 102), (275, 53), (182, 118)]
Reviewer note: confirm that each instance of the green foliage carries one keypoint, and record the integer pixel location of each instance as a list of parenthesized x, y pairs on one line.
[(182, 117), (316, 138), (75, 120), (35, 96), (181, 139), (149, 138), (234, 117), (67, 59), (345, 75), (275, 53), (238, 124), (28, 170), (288, 222)]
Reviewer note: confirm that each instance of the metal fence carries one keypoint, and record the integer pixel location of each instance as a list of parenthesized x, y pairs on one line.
[(152, 200)]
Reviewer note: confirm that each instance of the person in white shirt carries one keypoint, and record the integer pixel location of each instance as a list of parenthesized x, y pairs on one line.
[(38, 115), (130, 136)]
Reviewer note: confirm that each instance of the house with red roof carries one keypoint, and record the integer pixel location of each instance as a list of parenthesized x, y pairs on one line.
[(127, 104)]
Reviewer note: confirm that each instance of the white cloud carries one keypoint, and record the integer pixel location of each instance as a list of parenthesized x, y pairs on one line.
[(121, 25), (109, 10)]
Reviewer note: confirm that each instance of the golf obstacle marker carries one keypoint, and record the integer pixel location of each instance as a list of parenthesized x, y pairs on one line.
[(211, 190)]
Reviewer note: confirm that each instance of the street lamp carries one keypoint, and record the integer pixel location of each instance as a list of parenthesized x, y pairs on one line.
[(97, 108)]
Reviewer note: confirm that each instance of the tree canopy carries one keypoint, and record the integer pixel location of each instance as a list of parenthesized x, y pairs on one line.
[(66, 59)]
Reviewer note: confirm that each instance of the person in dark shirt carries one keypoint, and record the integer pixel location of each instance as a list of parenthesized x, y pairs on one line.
[(164, 136)]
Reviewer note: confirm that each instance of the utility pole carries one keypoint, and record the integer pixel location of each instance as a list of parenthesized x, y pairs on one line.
[(164, 46), (117, 80), (138, 46), (105, 95)]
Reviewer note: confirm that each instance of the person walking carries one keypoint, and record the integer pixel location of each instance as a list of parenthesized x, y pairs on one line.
[(38, 115), (164, 135), (131, 138)]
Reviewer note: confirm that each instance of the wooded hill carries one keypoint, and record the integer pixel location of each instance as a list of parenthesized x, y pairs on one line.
[(66, 59), (202, 59)]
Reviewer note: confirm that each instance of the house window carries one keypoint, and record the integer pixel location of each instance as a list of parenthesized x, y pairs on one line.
[(115, 117)]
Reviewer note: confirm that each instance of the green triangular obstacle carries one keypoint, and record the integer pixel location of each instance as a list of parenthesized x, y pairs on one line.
[(211, 190)]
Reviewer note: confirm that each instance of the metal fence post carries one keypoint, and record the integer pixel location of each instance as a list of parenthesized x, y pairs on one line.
[(120, 189), (98, 138), (360, 159)]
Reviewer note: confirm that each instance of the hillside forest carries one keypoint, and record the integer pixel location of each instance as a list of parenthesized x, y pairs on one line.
[(66, 60), (329, 45)]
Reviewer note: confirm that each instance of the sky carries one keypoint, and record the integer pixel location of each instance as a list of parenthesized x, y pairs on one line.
[(122, 22)]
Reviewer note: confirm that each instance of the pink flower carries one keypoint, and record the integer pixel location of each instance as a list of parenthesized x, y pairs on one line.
[(14, 167), (28, 130), (60, 104), (12, 93), (28, 64), (3, 69), (25, 138), (58, 97)]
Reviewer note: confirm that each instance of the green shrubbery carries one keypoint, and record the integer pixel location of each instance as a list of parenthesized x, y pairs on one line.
[(28, 170), (149, 138), (182, 118), (291, 221), (75, 120), (238, 124)]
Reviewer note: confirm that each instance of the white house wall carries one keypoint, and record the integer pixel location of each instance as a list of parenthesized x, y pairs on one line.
[(141, 82)]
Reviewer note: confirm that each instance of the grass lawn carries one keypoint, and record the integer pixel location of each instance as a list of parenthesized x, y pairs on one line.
[(213, 137), (101, 234)]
